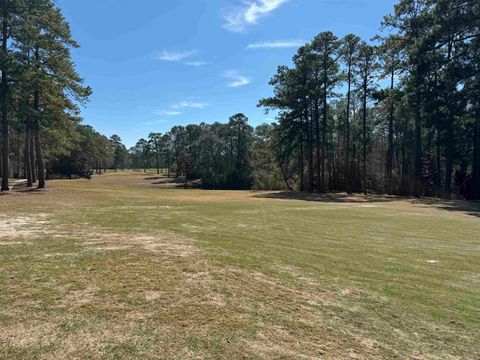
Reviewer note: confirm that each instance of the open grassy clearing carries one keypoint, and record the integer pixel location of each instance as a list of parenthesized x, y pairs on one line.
[(118, 267)]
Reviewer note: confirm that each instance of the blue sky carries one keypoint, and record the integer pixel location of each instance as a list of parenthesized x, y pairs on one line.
[(153, 64)]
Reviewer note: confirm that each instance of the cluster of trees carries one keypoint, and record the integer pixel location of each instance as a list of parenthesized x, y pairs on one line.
[(40, 91), (89, 152), (219, 154), (399, 114), (41, 134)]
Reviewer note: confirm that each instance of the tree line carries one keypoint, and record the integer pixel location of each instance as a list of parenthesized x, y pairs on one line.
[(218, 154), (398, 114), (40, 91)]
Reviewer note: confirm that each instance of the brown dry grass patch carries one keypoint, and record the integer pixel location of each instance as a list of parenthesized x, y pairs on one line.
[(169, 288)]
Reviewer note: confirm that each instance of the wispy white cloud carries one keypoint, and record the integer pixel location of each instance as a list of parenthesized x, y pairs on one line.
[(190, 104), (176, 109), (175, 56), (196, 63), (278, 44), (181, 56), (168, 113), (237, 19), (236, 79)]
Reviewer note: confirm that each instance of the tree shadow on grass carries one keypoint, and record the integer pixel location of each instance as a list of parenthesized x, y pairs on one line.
[(468, 207), (179, 182), (157, 177)]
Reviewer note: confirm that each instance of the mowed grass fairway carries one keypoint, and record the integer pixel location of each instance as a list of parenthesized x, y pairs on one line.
[(120, 267)]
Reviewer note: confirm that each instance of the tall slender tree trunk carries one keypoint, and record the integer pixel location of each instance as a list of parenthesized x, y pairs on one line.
[(28, 164), (417, 186), (476, 159), (450, 148), (438, 172), (284, 176), (38, 143), (33, 163), (364, 137), (309, 154), (438, 175), (19, 156), (391, 149), (302, 166), (347, 146), (40, 160), (324, 130), (317, 142), (168, 164), (4, 87)]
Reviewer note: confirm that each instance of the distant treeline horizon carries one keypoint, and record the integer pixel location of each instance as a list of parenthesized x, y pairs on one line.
[(398, 114), (339, 130)]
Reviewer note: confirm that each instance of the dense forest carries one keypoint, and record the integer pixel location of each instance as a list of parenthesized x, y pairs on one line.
[(396, 114)]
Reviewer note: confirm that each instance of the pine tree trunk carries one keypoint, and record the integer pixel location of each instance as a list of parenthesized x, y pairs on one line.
[(450, 148), (317, 140), (284, 176), (19, 140), (4, 96), (38, 143), (364, 138), (28, 167), (476, 159), (40, 161), (309, 155), (347, 147), (324, 131), (417, 189), (168, 164), (438, 175), (391, 149), (302, 167), (33, 166)]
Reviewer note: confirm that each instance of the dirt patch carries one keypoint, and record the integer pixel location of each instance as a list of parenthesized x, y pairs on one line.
[(153, 295), (24, 226), (101, 240), (350, 292), (25, 334), (78, 298)]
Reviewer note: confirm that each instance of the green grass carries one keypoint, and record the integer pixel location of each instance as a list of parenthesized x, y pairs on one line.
[(273, 277)]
